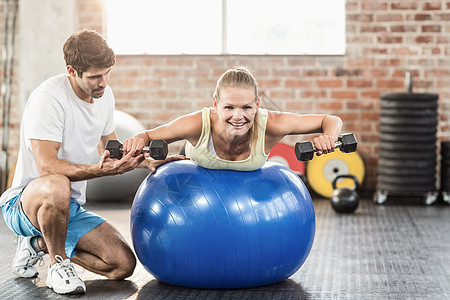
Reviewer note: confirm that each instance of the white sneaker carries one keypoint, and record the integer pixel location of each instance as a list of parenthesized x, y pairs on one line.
[(26, 257), (63, 278)]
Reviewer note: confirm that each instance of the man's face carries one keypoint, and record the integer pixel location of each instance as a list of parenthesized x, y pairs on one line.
[(92, 83)]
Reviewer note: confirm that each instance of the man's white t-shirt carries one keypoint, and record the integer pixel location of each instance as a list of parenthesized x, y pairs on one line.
[(55, 113)]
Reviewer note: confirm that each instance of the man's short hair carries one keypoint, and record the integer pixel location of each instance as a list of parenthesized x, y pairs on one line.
[(87, 48)]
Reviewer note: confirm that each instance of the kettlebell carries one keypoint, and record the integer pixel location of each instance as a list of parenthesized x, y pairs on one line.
[(345, 200)]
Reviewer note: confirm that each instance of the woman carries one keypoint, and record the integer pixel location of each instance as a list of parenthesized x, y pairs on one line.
[(235, 133)]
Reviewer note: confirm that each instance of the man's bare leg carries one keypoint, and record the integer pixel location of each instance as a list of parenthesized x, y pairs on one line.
[(46, 202), (104, 251)]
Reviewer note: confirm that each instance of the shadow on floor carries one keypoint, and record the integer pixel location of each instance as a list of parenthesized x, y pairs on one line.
[(287, 289)]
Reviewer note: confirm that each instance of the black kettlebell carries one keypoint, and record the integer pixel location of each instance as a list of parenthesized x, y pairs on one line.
[(345, 200)]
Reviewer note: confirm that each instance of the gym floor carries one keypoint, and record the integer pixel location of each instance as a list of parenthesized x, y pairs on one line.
[(398, 250)]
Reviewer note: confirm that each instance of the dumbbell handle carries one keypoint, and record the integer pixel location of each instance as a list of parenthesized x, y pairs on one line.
[(146, 149), (336, 145)]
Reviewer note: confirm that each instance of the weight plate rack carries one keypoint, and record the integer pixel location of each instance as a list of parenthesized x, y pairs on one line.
[(407, 159)]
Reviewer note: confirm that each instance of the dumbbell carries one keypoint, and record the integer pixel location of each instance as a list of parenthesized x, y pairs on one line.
[(157, 149), (305, 150)]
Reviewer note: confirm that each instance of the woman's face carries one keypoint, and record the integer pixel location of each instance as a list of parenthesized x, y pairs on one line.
[(236, 109)]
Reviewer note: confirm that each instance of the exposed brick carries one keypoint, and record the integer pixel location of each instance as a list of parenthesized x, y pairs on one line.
[(297, 83), (404, 51), (374, 5), (424, 39), (431, 28), (389, 18), (344, 95), (375, 50), (371, 94), (432, 6), (358, 17), (359, 83), (390, 39), (404, 6), (389, 84), (420, 17), (313, 94), (373, 28), (330, 105), (329, 83)]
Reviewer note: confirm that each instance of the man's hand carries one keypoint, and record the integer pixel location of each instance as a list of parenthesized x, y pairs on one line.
[(128, 162)]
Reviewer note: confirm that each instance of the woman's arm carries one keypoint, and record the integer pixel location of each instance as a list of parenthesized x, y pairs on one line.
[(188, 127), (281, 124)]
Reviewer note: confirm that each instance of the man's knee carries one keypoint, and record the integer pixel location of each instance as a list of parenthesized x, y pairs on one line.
[(125, 265), (55, 185), (53, 188)]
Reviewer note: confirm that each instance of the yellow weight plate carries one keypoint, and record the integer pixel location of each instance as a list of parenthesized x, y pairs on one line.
[(321, 171)]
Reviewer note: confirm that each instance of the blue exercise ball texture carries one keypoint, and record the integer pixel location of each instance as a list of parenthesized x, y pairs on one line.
[(221, 229)]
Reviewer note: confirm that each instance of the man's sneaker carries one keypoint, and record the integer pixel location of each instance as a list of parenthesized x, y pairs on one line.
[(26, 257), (63, 278)]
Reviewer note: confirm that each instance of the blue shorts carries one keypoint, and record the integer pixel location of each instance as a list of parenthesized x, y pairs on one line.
[(81, 221)]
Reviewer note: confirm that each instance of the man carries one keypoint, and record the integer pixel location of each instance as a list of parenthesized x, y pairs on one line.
[(66, 119)]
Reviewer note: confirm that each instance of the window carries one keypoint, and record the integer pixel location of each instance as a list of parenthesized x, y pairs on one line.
[(226, 26)]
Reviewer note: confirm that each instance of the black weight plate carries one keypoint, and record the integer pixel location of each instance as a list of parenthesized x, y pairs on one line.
[(408, 105), (430, 121), (397, 155), (445, 145), (392, 128), (445, 153), (404, 180), (445, 173), (395, 146), (390, 163), (406, 172), (409, 97), (407, 112), (410, 138)]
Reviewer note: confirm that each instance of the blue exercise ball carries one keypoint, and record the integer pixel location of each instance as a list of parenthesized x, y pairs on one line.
[(221, 229)]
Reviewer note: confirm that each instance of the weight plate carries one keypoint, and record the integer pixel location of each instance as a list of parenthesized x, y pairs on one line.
[(390, 163), (430, 121), (407, 180), (408, 155), (285, 154), (406, 172), (411, 105), (445, 153), (396, 146), (322, 170), (445, 145), (408, 112), (392, 128), (391, 137), (409, 97)]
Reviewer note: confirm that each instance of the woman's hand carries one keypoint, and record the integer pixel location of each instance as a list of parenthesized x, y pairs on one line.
[(154, 164), (324, 144), (134, 144)]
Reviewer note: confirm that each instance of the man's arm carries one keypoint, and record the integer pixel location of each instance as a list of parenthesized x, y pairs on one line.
[(47, 161)]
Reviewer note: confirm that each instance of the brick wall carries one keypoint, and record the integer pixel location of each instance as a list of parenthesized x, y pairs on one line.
[(384, 39)]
